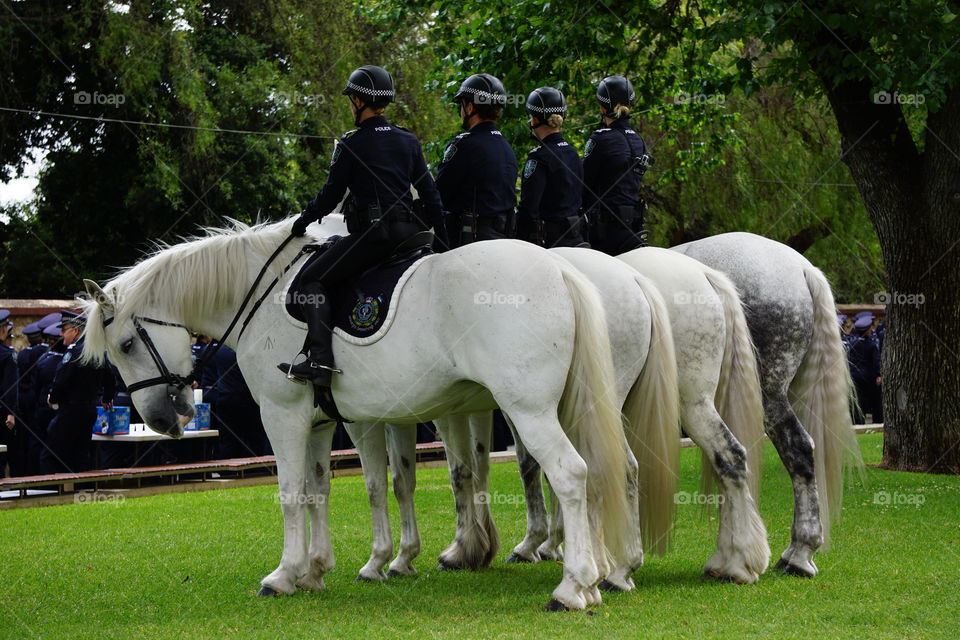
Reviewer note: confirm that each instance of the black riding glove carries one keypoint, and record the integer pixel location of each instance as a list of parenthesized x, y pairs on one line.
[(300, 224)]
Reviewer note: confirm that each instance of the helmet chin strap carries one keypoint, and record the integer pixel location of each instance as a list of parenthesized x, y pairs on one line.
[(356, 116)]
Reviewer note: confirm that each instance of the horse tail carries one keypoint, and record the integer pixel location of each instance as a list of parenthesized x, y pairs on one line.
[(652, 424), (739, 400), (820, 395), (590, 415)]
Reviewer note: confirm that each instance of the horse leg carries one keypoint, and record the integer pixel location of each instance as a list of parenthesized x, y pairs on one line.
[(368, 438), (402, 448), (318, 485), (567, 473), (536, 534), (619, 577), (289, 432), (742, 551), (796, 452), (550, 549), (481, 433), (471, 542)]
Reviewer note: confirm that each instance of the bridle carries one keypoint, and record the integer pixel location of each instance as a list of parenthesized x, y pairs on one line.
[(180, 382), (166, 376)]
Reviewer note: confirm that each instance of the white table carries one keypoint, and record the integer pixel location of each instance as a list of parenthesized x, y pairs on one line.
[(151, 436)]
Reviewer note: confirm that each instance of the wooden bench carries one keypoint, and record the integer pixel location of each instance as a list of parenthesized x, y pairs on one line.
[(65, 482)]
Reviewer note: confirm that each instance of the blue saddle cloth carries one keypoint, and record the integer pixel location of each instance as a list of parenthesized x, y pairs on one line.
[(360, 304)]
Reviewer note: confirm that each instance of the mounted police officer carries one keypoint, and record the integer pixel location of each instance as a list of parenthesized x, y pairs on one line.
[(378, 162), (614, 162), (552, 182), (74, 393), (478, 175)]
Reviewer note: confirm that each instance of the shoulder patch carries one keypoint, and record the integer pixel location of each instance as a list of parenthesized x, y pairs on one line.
[(591, 144), (336, 154), (449, 152), (529, 168), (67, 356)]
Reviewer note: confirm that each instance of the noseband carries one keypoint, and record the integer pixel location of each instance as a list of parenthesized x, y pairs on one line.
[(166, 376)]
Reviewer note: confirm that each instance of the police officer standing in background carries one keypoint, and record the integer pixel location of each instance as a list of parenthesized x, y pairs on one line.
[(552, 184), (478, 175), (614, 162), (74, 392), (378, 162), (8, 399), (31, 439)]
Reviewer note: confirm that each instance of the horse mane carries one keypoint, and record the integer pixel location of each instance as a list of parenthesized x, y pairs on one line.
[(197, 277)]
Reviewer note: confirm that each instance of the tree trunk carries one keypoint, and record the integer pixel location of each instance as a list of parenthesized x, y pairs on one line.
[(913, 200)]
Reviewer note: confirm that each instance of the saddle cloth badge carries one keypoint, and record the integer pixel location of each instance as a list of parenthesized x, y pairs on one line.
[(366, 313)]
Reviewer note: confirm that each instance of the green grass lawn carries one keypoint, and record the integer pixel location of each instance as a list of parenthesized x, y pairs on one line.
[(188, 565)]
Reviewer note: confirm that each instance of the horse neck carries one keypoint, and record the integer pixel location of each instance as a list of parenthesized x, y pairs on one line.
[(215, 323)]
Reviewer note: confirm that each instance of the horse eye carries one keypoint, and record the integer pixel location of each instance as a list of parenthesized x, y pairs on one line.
[(126, 346)]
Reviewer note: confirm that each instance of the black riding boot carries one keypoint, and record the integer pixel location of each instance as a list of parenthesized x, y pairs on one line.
[(318, 368)]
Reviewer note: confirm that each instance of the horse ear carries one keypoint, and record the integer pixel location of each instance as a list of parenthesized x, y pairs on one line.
[(98, 295)]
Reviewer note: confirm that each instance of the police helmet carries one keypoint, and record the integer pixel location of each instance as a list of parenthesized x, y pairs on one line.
[(373, 85), (482, 88), (614, 90), (544, 102)]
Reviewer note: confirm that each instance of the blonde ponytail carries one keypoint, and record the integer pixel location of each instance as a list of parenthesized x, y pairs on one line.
[(620, 111), (555, 121)]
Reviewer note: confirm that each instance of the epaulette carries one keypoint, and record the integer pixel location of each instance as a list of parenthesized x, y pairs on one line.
[(602, 130), (348, 134)]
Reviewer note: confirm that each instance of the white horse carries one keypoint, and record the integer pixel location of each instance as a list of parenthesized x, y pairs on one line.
[(716, 369), (804, 376), (447, 350)]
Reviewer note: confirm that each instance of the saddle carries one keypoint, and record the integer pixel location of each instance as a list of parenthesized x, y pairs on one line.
[(360, 304)]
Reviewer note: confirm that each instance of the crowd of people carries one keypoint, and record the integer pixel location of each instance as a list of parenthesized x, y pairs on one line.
[(49, 399), (862, 336)]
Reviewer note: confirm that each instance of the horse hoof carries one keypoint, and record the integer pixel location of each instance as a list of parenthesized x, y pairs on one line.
[(393, 573), (516, 558), (788, 569), (609, 587), (266, 592), (556, 605), (716, 577)]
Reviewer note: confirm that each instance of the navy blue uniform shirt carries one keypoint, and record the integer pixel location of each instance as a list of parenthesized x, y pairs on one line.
[(44, 373), (77, 383), (8, 380), (552, 180), (864, 357), (378, 162), (610, 175), (26, 360), (478, 173)]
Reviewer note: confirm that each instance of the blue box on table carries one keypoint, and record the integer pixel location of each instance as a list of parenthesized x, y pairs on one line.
[(201, 418), (115, 421)]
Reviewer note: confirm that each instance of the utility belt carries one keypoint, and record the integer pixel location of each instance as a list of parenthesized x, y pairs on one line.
[(625, 214), (469, 223), (376, 223), (568, 230)]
